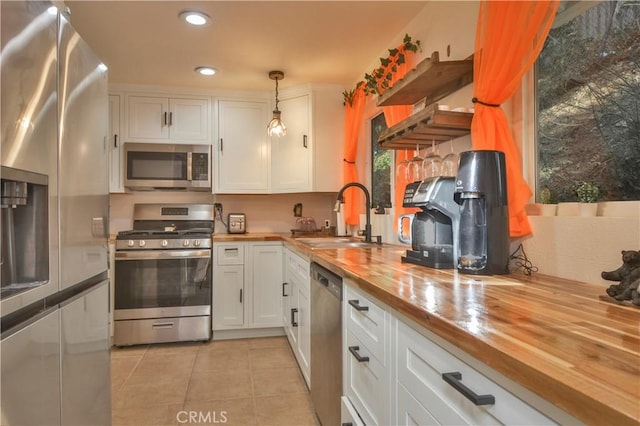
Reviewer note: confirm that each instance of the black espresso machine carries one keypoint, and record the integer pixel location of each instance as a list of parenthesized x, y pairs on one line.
[(463, 222)]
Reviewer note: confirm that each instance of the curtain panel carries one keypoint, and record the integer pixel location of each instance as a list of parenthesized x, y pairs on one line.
[(509, 38)]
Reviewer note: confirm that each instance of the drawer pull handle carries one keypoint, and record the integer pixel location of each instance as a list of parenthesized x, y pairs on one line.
[(294, 311), (162, 325), (454, 379), (354, 351), (347, 424), (283, 293), (356, 304), (227, 250)]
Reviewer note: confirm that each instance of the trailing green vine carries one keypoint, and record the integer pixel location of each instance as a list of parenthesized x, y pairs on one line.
[(378, 81)]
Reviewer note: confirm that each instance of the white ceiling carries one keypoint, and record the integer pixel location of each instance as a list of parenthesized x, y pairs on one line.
[(144, 42)]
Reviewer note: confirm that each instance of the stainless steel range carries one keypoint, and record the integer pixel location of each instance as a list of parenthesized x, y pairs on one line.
[(163, 275)]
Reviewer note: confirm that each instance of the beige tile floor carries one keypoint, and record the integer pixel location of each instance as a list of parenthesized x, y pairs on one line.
[(232, 382)]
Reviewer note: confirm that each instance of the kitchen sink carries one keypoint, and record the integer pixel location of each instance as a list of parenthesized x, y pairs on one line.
[(334, 243)]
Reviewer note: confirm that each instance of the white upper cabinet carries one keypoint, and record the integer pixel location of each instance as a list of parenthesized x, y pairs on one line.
[(241, 150), (115, 144), (164, 119), (309, 157), (292, 154)]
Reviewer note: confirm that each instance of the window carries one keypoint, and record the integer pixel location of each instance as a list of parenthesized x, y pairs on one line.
[(381, 161), (588, 91)]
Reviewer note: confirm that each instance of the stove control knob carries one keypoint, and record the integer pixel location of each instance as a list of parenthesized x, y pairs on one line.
[(185, 243), (164, 243), (196, 243), (142, 243), (130, 243)]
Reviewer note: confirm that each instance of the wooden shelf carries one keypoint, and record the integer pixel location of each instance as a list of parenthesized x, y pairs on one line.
[(431, 79), (423, 127)]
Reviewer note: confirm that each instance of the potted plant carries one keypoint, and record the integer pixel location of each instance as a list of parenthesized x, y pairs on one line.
[(588, 194), (548, 200)]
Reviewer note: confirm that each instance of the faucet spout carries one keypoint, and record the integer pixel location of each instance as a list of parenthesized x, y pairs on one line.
[(367, 226)]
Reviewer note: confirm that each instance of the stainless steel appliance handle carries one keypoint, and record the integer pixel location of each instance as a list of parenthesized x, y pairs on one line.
[(163, 325), (189, 166), (162, 254)]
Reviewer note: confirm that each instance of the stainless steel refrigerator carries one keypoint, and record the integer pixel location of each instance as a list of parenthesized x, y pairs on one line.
[(54, 343)]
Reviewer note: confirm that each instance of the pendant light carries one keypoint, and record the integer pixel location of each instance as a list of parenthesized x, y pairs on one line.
[(276, 127)]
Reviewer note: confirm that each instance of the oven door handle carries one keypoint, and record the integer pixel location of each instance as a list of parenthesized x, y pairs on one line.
[(162, 254)]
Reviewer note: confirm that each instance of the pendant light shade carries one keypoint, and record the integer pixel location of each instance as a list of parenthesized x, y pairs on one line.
[(276, 127)]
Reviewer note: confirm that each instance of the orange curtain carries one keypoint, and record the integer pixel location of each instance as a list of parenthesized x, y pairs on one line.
[(509, 38), (352, 120)]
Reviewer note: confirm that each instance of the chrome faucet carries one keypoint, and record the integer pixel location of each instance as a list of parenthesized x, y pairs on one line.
[(367, 202)]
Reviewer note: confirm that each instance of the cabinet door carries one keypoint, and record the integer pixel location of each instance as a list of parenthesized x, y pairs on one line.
[(266, 263), (147, 118), (304, 327), (242, 156), (189, 120), (291, 154), (367, 382), (115, 145), (228, 297)]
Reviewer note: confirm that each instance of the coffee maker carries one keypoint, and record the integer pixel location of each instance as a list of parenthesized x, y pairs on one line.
[(434, 229), (481, 192)]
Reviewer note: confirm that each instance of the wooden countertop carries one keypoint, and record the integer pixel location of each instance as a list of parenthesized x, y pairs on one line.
[(552, 336)]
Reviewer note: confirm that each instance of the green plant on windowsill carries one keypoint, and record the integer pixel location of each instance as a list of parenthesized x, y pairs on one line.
[(547, 196), (587, 192)]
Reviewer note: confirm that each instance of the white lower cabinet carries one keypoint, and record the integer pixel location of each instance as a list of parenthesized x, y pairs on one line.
[(366, 367), (395, 374), (468, 397), (296, 309), (247, 286), (348, 414)]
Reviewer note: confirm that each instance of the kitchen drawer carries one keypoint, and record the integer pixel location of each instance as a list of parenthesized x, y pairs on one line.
[(299, 265), (348, 414), (230, 254), (367, 383), (421, 365), (367, 321), (411, 412)]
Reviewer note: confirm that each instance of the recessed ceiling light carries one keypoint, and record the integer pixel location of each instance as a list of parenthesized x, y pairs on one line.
[(52, 10), (206, 70), (194, 17)]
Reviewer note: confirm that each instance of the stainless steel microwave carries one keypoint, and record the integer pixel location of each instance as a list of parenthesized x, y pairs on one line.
[(167, 166)]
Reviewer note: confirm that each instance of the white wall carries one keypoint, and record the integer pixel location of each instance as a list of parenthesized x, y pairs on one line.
[(568, 247), (265, 213)]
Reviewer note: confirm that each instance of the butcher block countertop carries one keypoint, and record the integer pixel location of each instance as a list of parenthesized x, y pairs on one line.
[(552, 336)]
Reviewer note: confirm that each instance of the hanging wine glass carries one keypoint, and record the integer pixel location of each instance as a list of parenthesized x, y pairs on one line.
[(449, 166), (431, 162), (415, 166), (402, 168)]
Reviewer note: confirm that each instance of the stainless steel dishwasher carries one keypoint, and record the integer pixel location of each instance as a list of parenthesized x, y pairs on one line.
[(326, 344)]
